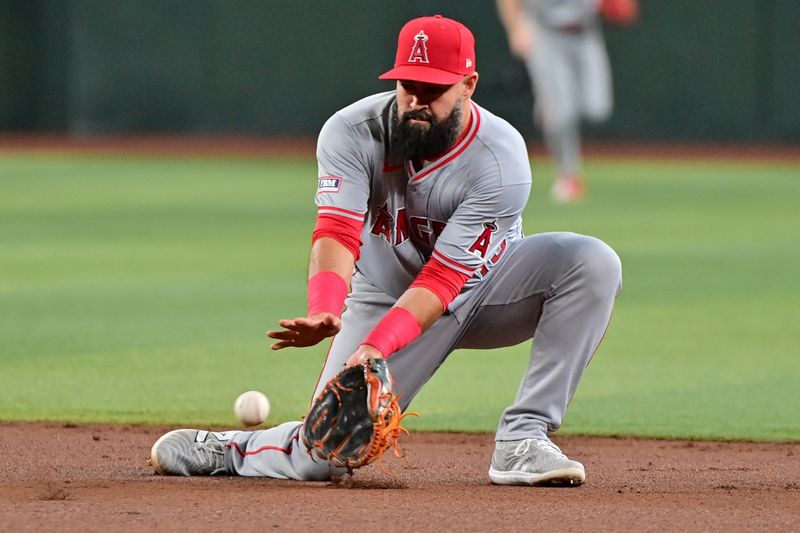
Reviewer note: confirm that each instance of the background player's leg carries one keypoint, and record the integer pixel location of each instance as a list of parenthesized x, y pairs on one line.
[(556, 98), (595, 78), (554, 71), (560, 289), (276, 452)]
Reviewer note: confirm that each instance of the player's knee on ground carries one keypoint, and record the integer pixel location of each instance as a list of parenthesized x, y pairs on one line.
[(597, 263)]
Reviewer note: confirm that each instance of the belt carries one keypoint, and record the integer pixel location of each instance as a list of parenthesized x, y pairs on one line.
[(571, 28)]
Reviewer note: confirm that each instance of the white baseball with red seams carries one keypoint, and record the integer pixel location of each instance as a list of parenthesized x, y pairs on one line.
[(251, 408)]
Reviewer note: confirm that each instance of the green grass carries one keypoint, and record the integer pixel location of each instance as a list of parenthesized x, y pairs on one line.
[(139, 290)]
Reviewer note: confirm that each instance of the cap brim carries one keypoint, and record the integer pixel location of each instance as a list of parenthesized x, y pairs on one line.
[(423, 74)]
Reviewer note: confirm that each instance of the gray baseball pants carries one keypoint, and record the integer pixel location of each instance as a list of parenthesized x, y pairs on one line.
[(557, 288)]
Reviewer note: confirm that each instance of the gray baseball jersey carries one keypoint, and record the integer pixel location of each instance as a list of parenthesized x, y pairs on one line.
[(462, 208)]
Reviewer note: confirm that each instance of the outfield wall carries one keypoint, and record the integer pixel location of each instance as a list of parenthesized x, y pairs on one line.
[(715, 70)]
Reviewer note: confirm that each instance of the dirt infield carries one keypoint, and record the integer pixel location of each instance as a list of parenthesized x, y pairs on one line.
[(57, 477)]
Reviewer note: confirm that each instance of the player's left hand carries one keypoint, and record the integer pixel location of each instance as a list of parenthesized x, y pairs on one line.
[(362, 354), (305, 331)]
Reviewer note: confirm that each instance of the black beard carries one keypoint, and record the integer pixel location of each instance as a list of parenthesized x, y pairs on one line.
[(416, 142)]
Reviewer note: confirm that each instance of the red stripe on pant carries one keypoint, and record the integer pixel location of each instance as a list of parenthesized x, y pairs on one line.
[(243, 453)]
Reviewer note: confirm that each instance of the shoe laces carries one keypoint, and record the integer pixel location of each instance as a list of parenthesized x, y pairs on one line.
[(213, 451), (542, 444)]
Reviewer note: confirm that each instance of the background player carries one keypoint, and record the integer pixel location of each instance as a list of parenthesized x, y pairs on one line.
[(419, 199), (561, 43)]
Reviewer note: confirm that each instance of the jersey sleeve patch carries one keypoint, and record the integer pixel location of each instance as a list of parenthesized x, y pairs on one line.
[(329, 184)]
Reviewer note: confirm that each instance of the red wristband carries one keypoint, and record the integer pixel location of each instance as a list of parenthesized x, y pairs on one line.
[(395, 330), (326, 293)]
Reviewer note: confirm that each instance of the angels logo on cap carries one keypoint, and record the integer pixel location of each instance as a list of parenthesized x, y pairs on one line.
[(442, 52), (419, 53)]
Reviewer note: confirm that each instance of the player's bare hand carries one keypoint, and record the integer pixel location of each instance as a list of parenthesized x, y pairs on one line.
[(364, 352), (305, 331)]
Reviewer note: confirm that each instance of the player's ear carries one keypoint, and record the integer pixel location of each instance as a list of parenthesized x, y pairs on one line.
[(470, 81)]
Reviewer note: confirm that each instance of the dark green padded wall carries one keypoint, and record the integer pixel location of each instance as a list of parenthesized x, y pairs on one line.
[(18, 59), (715, 70)]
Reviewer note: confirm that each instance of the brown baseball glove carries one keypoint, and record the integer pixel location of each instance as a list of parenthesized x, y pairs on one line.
[(356, 418)]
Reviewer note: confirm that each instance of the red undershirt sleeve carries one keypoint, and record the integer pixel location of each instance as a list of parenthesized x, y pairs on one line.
[(345, 231), (442, 280)]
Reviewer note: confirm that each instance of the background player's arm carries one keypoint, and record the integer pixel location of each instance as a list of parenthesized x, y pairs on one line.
[(519, 32)]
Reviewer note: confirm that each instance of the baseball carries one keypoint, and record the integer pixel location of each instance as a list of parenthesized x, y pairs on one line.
[(251, 408)]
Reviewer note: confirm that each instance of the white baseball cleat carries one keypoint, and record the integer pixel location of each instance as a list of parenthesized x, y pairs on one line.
[(533, 462)]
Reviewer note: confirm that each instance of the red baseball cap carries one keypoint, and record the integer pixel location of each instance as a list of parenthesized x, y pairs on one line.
[(433, 50)]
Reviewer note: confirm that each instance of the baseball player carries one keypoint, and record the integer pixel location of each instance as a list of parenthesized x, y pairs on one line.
[(419, 237), (561, 43)]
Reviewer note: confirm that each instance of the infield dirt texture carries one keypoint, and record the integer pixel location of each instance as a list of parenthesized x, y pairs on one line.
[(711, 361), (95, 478)]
